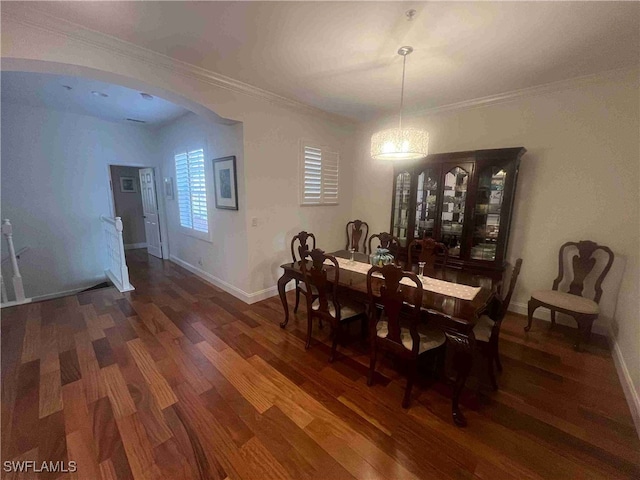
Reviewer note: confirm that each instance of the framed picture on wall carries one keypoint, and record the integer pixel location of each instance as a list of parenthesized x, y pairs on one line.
[(226, 183), (168, 188), (128, 185)]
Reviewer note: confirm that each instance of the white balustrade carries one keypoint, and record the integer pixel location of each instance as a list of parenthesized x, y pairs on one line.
[(18, 288), (116, 268)]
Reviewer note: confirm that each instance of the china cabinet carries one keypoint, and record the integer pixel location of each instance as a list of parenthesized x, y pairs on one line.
[(462, 199)]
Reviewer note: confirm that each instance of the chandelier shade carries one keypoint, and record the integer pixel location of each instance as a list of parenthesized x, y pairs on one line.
[(400, 144)]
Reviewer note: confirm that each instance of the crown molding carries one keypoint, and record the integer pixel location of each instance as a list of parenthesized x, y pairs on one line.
[(568, 84), (31, 17)]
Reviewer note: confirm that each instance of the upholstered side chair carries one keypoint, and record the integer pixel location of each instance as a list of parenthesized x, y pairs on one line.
[(577, 263)]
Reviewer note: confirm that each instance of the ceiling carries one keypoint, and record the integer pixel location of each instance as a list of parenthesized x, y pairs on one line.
[(45, 90), (341, 56)]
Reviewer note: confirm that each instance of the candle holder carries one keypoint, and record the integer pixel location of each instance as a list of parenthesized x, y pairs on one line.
[(421, 268)]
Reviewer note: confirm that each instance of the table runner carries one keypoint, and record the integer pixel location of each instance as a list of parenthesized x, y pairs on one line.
[(464, 292)]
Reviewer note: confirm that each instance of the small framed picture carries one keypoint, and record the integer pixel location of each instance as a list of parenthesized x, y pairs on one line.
[(128, 185), (226, 183), (168, 188)]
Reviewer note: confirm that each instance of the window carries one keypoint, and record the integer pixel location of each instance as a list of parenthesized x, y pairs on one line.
[(192, 190), (319, 182)]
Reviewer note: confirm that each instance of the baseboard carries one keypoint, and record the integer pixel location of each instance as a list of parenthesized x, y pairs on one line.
[(544, 314), (15, 303), (66, 293), (240, 294), (629, 389), (133, 246)]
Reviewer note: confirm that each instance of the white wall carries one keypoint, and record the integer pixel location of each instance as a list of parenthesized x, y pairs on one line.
[(272, 131), (579, 180), (55, 187), (224, 257)]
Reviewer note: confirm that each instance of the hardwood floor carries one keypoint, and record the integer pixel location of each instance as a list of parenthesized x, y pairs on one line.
[(181, 380)]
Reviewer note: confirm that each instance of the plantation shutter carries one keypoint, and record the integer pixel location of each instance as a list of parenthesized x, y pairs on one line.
[(320, 176), (192, 190)]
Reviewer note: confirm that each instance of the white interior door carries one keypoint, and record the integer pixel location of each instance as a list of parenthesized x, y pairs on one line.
[(150, 210)]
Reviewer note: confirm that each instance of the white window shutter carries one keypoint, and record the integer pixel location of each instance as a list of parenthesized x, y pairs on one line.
[(192, 190), (319, 183), (330, 178), (312, 179)]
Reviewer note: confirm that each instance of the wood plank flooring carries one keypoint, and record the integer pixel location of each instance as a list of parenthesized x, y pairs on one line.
[(179, 380)]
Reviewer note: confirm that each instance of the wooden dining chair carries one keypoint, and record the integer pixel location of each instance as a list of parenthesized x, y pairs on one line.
[(406, 336), (431, 252), (389, 242), (303, 245), (326, 306), (354, 235), (573, 303), (487, 328)]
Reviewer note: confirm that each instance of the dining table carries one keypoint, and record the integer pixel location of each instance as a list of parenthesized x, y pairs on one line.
[(442, 306)]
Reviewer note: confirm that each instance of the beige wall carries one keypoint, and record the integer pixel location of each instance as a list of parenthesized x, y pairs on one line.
[(128, 206), (578, 180)]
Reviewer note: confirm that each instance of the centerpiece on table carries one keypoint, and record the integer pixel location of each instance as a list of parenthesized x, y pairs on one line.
[(381, 257)]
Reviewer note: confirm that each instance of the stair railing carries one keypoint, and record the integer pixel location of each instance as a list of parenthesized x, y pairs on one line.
[(18, 288), (116, 268)]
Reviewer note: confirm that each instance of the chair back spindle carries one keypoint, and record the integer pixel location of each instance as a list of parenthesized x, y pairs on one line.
[(389, 242), (355, 236), (392, 300), (315, 275), (303, 240), (431, 252), (582, 265)]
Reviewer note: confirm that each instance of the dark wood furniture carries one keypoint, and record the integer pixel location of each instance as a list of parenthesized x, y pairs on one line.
[(580, 265), (462, 199), (389, 242), (303, 245), (325, 306), (429, 251), (354, 235), (487, 328), (454, 316), (407, 339)]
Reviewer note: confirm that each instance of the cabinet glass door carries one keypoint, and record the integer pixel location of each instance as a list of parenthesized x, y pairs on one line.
[(491, 182), (400, 219), (426, 203), (453, 204)]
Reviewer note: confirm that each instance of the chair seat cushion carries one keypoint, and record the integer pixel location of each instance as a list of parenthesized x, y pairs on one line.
[(347, 309), (566, 301), (483, 328), (430, 338)]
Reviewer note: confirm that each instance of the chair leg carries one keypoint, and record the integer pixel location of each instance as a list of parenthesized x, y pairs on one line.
[(336, 337), (496, 354), (584, 331), (372, 364), (492, 375), (531, 307), (295, 309), (309, 328), (412, 375), (553, 319)]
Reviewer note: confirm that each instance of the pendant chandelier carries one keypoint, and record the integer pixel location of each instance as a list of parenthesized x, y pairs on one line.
[(400, 143)]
